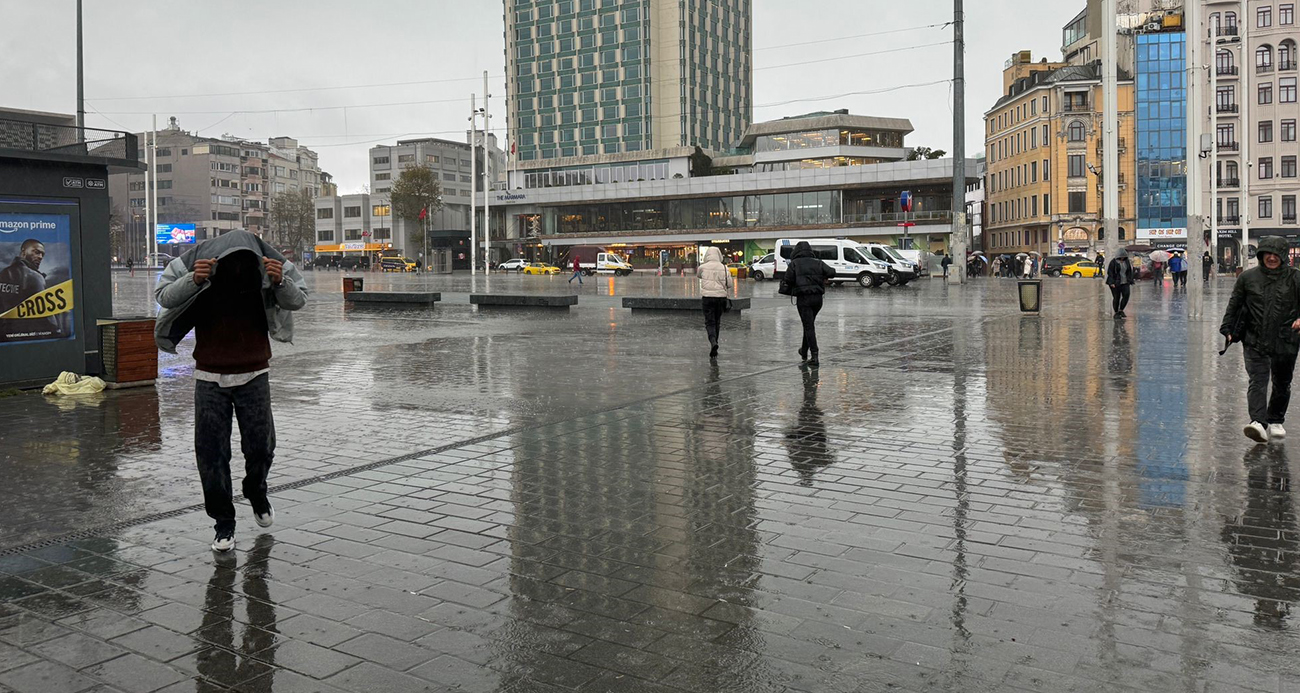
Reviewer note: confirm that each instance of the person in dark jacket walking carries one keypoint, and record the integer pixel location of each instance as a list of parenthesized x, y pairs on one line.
[(1120, 276), (946, 263), (806, 277), (1264, 315), (1207, 262)]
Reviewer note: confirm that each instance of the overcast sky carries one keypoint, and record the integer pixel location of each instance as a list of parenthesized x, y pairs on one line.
[(293, 49)]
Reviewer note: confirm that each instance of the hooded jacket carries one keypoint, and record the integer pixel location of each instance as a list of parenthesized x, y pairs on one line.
[(807, 274), (1264, 303), (176, 291), (1120, 270), (715, 278)]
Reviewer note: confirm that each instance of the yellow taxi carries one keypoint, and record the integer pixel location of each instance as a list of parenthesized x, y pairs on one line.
[(1083, 268), (539, 268), (735, 267), (397, 264)]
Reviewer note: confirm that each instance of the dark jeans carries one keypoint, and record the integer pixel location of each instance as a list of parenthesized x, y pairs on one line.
[(1120, 295), (809, 306), (1259, 367), (1180, 277), (713, 310), (577, 274), (251, 405)]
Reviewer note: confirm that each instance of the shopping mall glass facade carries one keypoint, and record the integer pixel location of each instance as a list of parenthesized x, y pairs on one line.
[(788, 141), (1161, 132)]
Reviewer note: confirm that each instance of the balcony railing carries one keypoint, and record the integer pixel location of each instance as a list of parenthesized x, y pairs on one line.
[(1286, 66), (1076, 107), (1229, 182), (1288, 218), (1228, 146), (1231, 220), (1227, 70), (1226, 107), (1227, 30), (1261, 69), (876, 217), (54, 138)]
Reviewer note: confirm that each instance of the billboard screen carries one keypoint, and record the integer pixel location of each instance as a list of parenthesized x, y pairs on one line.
[(175, 234)]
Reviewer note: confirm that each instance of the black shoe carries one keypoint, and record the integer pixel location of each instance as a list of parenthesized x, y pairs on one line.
[(714, 351), (803, 354), (812, 361)]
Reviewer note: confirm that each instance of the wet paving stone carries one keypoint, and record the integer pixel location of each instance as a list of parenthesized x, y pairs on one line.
[(960, 498)]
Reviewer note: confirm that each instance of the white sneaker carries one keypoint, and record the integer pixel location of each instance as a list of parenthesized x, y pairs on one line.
[(1276, 431), (265, 519), (223, 542), (1256, 432)]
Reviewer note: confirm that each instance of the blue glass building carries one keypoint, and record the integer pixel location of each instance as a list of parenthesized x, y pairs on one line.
[(1160, 104)]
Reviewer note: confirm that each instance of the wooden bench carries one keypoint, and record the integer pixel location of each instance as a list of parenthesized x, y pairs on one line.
[(406, 298), (679, 303), (524, 300)]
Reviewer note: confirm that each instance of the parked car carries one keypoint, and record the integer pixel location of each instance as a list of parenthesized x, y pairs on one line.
[(763, 268), (539, 268), (326, 262), (515, 265), (1052, 264), (1082, 268), (852, 261), (160, 259), (397, 264), (355, 262)]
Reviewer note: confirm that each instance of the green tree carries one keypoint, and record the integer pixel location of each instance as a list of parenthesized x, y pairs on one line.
[(293, 220), (415, 191), (117, 235), (917, 153)]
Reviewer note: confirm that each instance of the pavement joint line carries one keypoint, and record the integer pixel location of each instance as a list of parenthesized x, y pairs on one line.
[(369, 466)]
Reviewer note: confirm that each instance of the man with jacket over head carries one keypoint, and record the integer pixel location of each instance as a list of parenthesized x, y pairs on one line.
[(806, 279), (1264, 315)]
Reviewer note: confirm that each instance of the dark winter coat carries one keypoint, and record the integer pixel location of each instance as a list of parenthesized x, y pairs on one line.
[(1120, 271), (1264, 303), (807, 274)]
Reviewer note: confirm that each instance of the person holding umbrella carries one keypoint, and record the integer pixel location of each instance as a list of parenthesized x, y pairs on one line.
[(1264, 315)]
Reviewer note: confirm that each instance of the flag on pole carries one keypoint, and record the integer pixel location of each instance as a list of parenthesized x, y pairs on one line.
[(424, 213)]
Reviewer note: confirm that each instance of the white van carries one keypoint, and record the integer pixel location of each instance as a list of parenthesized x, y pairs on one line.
[(852, 261), (901, 270), (763, 268)]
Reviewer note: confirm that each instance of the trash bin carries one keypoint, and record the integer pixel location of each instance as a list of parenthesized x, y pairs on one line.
[(351, 284), (1031, 294), (742, 273), (127, 347)]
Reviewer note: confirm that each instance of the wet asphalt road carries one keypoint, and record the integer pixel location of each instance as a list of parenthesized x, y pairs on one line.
[(961, 498)]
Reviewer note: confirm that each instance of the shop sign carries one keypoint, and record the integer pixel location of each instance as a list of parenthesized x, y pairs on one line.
[(1162, 234)]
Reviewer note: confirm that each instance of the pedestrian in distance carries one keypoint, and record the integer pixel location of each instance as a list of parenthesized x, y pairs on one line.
[(1178, 268), (946, 262), (234, 291), (805, 279), (130, 266), (715, 284), (577, 271), (1101, 265), (1264, 315), (1120, 276), (1207, 262)]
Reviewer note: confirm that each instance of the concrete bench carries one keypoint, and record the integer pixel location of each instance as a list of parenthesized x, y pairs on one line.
[(523, 300), (657, 303), (408, 298)]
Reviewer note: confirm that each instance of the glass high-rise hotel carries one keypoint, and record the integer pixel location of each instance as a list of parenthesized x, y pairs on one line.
[(594, 77)]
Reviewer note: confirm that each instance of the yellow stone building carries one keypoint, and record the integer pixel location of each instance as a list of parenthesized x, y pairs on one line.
[(1043, 147)]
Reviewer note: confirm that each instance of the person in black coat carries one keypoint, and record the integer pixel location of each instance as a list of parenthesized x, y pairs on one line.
[(1120, 276), (806, 279), (1206, 263), (1264, 315)]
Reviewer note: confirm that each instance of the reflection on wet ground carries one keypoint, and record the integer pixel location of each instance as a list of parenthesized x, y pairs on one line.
[(961, 498)]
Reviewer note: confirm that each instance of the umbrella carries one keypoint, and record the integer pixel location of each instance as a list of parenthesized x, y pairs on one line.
[(981, 257), (1021, 255), (1159, 256), (1035, 252), (977, 252)]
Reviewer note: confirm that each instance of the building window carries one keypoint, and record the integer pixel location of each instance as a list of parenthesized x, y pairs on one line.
[(1265, 207), (1265, 131), (1285, 15), (326, 236), (1264, 17), (1286, 55), (1288, 167), (1076, 131), (1077, 165), (1286, 90), (1225, 99), (1078, 203), (1288, 208), (352, 234), (1047, 172), (1265, 167), (381, 160), (1265, 93), (1227, 135), (351, 212), (404, 158), (1264, 58), (325, 213), (383, 176)]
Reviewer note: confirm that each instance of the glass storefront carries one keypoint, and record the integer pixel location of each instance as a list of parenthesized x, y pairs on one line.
[(587, 175), (830, 162), (741, 211), (812, 139)]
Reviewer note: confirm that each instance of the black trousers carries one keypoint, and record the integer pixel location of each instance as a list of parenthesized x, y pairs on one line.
[(1259, 368), (251, 406), (714, 307), (809, 306), (1180, 277), (1119, 296)]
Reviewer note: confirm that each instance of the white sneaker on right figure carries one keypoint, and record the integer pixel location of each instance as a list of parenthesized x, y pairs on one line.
[(1276, 431), (1256, 432)]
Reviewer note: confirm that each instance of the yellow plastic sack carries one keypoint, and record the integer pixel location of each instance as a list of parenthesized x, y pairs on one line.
[(69, 383)]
